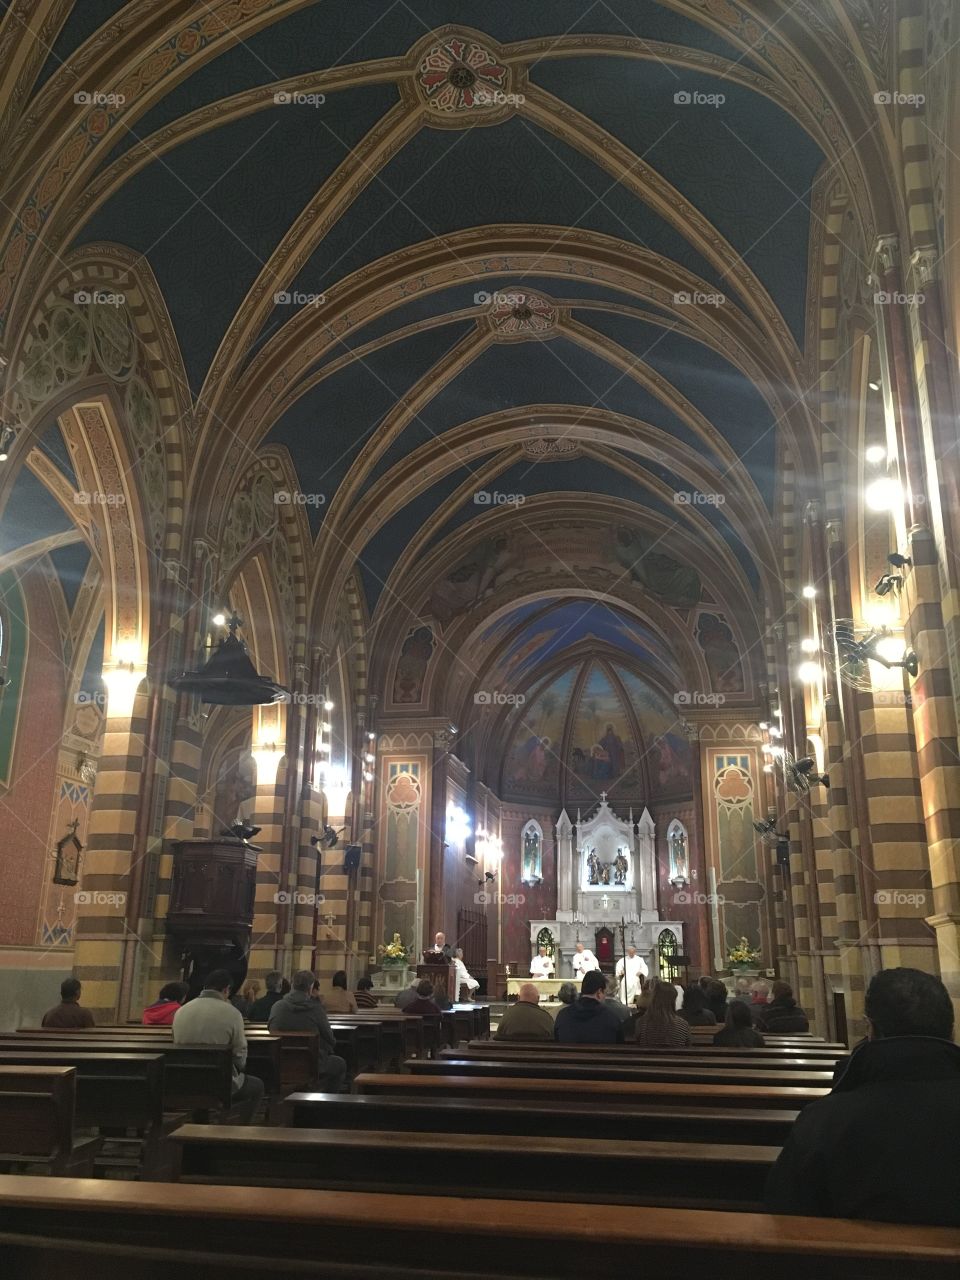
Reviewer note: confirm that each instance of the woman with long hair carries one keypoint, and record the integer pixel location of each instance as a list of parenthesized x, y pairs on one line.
[(660, 1027)]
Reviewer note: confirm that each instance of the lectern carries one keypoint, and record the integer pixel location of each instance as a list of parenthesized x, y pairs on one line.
[(211, 906), (439, 971)]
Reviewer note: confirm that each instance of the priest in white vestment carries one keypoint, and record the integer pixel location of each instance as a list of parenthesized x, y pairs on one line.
[(541, 966), (583, 961), (636, 969), (464, 977)]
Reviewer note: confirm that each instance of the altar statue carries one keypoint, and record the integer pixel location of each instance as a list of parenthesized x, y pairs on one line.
[(594, 868), (620, 868)]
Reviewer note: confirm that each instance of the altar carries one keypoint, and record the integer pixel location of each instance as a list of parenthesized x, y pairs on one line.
[(548, 987), (606, 873)]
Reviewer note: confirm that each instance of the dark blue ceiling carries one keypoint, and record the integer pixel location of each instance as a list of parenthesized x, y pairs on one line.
[(326, 428), (252, 177), (86, 17), (31, 512), (747, 162), (71, 563)]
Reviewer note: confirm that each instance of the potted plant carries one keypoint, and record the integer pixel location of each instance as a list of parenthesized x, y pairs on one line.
[(743, 959), (394, 958)]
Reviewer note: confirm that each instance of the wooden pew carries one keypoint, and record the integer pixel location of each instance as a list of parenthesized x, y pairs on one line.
[(37, 1113), (682, 1174), (771, 1052), (547, 1089), (633, 1055), (588, 1071), (195, 1077), (394, 1026), (125, 1231), (401, 1114)]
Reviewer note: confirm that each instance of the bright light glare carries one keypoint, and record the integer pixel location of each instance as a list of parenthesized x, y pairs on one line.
[(219, 619), (876, 453), (458, 825), (809, 592), (879, 613), (892, 648), (809, 645), (809, 672), (883, 494)]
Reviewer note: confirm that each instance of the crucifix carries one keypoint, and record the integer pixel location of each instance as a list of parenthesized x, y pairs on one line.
[(72, 826), (605, 902), (603, 797)]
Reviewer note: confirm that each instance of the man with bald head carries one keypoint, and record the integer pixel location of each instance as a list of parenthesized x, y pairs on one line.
[(525, 1020)]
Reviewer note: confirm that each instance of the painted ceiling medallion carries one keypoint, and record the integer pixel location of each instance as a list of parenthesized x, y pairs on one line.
[(516, 313), (461, 75)]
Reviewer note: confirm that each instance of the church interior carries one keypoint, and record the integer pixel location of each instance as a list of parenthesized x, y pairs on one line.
[(487, 470)]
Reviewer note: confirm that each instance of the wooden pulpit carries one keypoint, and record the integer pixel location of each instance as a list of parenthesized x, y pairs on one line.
[(211, 906), (440, 971)]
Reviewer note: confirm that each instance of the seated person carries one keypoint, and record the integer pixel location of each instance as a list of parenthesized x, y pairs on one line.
[(161, 1012), (782, 1014), (588, 1020), (364, 994), (302, 1010), (661, 1027), (338, 999), (423, 1001), (67, 1015), (695, 1012), (885, 1144), (260, 1009), (738, 1031), (212, 1019), (759, 998), (464, 977), (541, 966), (715, 993), (407, 995), (525, 1020), (567, 993), (612, 999)]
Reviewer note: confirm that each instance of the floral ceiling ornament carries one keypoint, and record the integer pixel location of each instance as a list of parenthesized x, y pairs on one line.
[(459, 75), (518, 313)]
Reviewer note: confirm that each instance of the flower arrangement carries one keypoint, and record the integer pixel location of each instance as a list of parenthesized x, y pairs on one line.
[(743, 955), (393, 953)]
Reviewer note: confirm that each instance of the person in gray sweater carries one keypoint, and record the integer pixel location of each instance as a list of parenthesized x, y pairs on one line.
[(212, 1019), (302, 1010)]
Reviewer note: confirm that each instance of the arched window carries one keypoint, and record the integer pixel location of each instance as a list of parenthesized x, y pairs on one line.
[(667, 951), (545, 939), (678, 850), (531, 852)]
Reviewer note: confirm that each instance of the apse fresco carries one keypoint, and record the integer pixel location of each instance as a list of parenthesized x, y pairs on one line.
[(533, 766), (720, 651), (669, 755), (602, 747)]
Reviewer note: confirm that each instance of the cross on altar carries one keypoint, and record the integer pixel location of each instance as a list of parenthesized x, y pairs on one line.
[(606, 901), (603, 797)]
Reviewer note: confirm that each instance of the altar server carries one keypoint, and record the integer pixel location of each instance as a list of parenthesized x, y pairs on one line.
[(583, 961), (541, 966), (636, 969)]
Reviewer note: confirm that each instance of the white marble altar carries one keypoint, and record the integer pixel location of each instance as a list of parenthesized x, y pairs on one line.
[(606, 872)]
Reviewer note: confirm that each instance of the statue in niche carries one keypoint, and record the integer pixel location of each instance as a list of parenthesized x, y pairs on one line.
[(620, 868), (594, 869)]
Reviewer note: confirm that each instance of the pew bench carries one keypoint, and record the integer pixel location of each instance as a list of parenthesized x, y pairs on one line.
[(37, 1115), (401, 1114), (608, 1171), (590, 1072), (634, 1055), (546, 1089), (124, 1231)]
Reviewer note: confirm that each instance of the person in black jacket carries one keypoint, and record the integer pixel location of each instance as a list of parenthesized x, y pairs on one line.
[(885, 1144), (782, 1015), (588, 1020), (738, 1031), (695, 1010)]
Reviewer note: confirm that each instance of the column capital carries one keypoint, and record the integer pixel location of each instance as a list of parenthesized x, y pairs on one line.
[(923, 267), (812, 512), (886, 253)]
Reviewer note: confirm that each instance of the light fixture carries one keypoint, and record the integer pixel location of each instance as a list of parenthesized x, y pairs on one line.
[(371, 737), (898, 561), (809, 592), (767, 749), (775, 732), (875, 454), (809, 645), (764, 725), (888, 582), (874, 385), (880, 647), (883, 494), (229, 678), (8, 435), (367, 776), (679, 882), (369, 757), (768, 768), (890, 649), (809, 672), (878, 613), (219, 619), (328, 705)]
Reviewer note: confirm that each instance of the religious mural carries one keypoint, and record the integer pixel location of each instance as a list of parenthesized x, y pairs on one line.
[(602, 747), (669, 755), (402, 812), (739, 889), (675, 583), (412, 666), (720, 651), (532, 766), (473, 580)]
